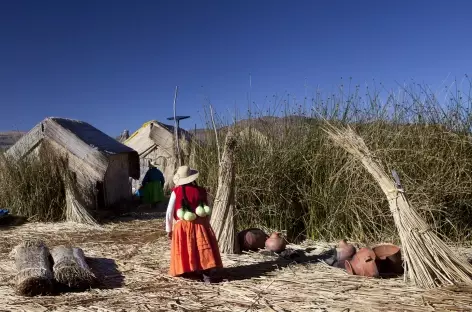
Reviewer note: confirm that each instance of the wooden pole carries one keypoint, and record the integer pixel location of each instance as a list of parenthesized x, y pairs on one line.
[(176, 130), (216, 134)]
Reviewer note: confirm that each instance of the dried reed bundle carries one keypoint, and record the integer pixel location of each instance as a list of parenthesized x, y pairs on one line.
[(75, 210), (33, 262), (429, 262), (222, 219), (71, 269)]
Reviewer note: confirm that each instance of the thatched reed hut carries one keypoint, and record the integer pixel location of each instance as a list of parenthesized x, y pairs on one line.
[(100, 165), (155, 142)]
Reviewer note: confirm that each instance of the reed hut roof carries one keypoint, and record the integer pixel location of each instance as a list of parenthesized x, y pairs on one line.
[(78, 138), (154, 133)]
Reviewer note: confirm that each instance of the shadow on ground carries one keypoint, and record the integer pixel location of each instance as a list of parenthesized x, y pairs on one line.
[(107, 273), (135, 211), (10, 221), (284, 260), (289, 257)]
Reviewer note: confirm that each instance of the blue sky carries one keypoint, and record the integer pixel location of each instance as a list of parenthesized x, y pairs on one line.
[(115, 64)]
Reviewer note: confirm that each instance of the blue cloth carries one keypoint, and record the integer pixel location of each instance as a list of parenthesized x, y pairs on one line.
[(153, 174), (4, 212)]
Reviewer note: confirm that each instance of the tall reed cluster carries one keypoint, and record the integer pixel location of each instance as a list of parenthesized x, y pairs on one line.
[(290, 177), (34, 187)]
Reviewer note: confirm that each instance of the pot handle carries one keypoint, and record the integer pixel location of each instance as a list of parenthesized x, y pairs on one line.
[(348, 266)]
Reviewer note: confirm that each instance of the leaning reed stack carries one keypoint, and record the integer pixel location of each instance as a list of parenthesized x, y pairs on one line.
[(222, 218), (70, 268), (33, 263), (429, 262), (76, 210)]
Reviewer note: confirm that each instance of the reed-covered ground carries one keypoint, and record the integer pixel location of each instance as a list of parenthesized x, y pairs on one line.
[(130, 257)]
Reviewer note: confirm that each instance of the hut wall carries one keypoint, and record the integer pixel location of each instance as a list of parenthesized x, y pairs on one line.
[(27, 143), (165, 164), (161, 137), (140, 141), (156, 143), (85, 177), (117, 185), (152, 142)]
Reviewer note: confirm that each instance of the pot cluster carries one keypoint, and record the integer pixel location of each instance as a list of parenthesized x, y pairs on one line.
[(254, 239), (381, 260)]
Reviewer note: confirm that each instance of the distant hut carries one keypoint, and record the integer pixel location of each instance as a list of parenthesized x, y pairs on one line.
[(264, 130), (101, 165), (256, 130), (154, 141), (124, 136), (7, 139)]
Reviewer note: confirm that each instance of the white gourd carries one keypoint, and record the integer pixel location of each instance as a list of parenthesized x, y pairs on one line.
[(180, 213), (200, 211), (207, 210), (189, 216)]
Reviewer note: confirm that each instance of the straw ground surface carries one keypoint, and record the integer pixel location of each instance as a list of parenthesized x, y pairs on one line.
[(131, 256)]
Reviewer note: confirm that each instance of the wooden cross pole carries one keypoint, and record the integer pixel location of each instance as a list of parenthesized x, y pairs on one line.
[(176, 130)]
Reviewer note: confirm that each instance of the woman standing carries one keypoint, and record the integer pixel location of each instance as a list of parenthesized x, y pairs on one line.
[(194, 246), (152, 190)]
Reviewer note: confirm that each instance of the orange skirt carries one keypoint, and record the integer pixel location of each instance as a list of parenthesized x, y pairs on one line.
[(194, 247)]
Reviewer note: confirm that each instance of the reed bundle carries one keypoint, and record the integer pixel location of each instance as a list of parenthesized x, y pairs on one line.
[(222, 219), (70, 268), (33, 263), (429, 262)]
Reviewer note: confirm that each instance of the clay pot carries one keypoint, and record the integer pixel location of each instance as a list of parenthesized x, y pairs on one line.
[(344, 251), (363, 263), (389, 259), (340, 264), (252, 239), (275, 243)]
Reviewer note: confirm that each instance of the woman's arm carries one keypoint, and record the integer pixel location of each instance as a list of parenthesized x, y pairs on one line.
[(170, 213)]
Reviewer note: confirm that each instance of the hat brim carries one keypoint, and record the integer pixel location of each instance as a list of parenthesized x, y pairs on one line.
[(181, 181)]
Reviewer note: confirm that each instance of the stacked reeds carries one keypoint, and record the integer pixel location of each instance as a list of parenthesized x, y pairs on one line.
[(429, 262), (70, 268), (222, 219), (33, 263), (44, 272)]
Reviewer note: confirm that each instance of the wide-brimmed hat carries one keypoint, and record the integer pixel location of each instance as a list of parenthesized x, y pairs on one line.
[(154, 163), (185, 175)]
